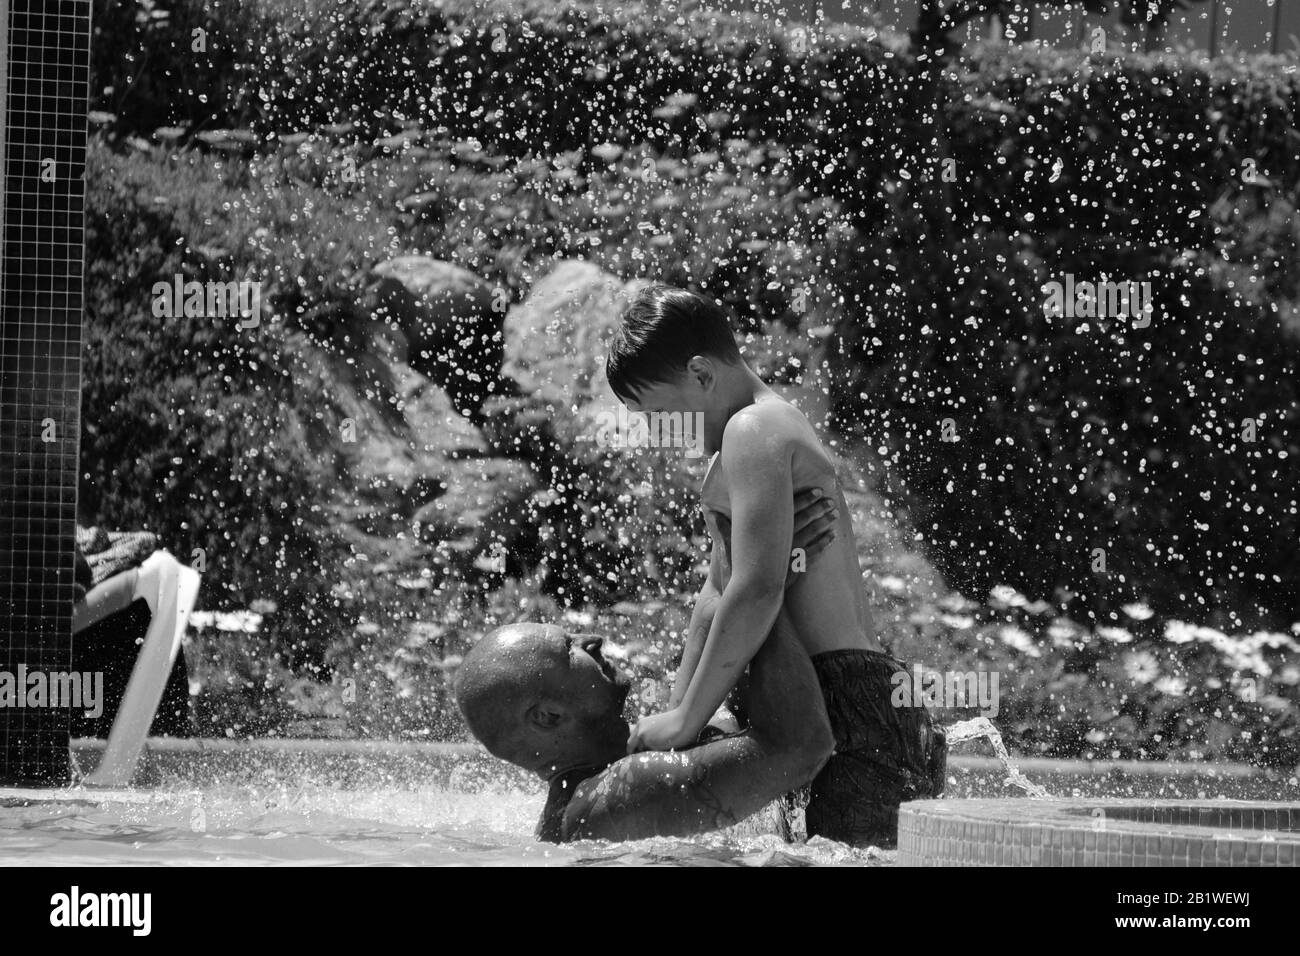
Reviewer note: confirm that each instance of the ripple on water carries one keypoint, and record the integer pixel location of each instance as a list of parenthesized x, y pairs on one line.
[(325, 826)]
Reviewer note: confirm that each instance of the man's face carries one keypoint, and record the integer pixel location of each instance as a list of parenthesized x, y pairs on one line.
[(579, 715), (568, 708), (582, 677)]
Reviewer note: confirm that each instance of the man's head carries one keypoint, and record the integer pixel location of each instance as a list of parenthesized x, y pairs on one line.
[(543, 699), (670, 347)]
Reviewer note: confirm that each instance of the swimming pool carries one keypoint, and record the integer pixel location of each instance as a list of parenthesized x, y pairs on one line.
[(321, 826), (357, 803)]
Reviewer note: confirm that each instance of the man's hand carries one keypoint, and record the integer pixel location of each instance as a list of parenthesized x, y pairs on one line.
[(814, 527), (666, 731), (717, 783)]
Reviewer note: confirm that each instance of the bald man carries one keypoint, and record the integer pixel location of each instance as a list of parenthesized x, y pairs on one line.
[(546, 700)]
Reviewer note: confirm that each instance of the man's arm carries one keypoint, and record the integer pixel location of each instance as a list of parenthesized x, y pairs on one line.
[(724, 781)]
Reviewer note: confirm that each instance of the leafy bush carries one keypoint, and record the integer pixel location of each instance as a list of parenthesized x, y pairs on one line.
[(207, 434), (1076, 435), (805, 191), (1129, 167)]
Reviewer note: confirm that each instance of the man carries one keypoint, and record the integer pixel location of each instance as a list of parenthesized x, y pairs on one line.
[(547, 701)]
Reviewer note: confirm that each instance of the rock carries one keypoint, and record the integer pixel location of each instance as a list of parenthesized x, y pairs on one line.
[(445, 314), (556, 339), (391, 437), (520, 427), (435, 426), (368, 439), (475, 494)]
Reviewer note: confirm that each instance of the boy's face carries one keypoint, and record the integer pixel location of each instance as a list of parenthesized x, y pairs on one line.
[(681, 409), (692, 391), (683, 394)]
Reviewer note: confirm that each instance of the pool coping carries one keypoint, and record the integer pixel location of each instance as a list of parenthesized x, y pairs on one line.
[(1078, 832)]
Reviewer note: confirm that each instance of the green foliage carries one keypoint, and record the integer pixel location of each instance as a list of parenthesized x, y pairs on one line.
[(1079, 434), (207, 434), (775, 173)]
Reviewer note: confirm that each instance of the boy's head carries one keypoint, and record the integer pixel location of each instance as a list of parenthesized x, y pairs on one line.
[(667, 339)]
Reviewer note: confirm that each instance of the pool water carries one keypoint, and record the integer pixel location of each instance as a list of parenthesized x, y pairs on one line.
[(348, 803), (331, 827)]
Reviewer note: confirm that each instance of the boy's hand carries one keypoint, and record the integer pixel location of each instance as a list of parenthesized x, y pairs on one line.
[(666, 731), (814, 527)]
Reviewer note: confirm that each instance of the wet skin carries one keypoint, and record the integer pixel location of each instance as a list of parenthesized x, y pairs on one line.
[(715, 784), (765, 451)]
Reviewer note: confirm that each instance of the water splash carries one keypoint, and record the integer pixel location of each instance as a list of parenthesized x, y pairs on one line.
[(964, 730)]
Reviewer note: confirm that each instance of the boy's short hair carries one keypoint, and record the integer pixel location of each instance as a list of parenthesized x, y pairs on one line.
[(659, 332)]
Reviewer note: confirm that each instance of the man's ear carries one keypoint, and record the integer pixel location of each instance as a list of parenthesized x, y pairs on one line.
[(544, 715)]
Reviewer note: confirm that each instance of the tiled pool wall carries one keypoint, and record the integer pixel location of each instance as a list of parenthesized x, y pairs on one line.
[(1089, 832)]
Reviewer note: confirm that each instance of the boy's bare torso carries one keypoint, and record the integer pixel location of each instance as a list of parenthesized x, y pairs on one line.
[(826, 604)]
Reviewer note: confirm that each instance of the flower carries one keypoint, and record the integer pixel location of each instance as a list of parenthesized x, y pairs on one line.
[(1018, 640), (1240, 653), (1173, 686), (1063, 632), (1141, 667), (245, 621), (892, 584), (1003, 596), (421, 632), (953, 601), (1138, 611)]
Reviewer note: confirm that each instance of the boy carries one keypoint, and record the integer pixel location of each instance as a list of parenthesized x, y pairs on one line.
[(674, 353)]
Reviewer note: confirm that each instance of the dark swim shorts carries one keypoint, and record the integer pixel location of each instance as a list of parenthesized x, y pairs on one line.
[(883, 754)]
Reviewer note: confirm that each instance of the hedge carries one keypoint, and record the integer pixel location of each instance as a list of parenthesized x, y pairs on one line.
[(1133, 167)]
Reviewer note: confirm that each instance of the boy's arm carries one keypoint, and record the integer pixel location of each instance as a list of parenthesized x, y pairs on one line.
[(814, 530), (715, 784), (706, 606), (757, 457)]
